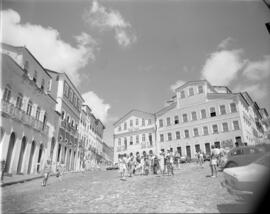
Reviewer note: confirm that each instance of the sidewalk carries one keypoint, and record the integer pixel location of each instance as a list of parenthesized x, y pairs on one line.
[(15, 179)]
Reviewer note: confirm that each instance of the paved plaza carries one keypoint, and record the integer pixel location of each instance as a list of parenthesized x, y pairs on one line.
[(189, 190)]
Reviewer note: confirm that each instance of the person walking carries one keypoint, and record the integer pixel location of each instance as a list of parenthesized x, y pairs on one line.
[(46, 173), (201, 160), (155, 165), (162, 162), (214, 160), (121, 165)]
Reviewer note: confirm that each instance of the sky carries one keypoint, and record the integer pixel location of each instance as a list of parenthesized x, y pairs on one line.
[(131, 54)]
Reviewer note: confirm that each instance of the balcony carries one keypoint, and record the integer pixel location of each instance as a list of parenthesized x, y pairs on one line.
[(20, 116), (71, 129)]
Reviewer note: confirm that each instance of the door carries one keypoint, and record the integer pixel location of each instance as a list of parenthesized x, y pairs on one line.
[(207, 148), (188, 151), (33, 147), (10, 151), (179, 150), (19, 168)]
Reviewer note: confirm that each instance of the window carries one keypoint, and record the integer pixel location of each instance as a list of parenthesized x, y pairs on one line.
[(137, 139), (176, 120), (225, 127), (131, 140), (149, 122), (26, 66), (168, 121), (71, 95), (19, 101), (29, 107), (125, 142), (205, 130), (42, 84), (137, 121), (186, 134), (35, 76), (75, 100), (212, 112), (233, 107), (160, 123), (66, 89), (125, 126), (119, 128), (222, 109), (200, 89), (196, 132), (185, 119), (177, 134), (169, 136), (194, 115), (236, 125), (161, 137), (143, 122), (183, 94), (150, 138), (215, 129), (131, 123), (203, 113), (62, 115), (119, 141), (143, 137), (38, 113), (7, 94), (191, 91)]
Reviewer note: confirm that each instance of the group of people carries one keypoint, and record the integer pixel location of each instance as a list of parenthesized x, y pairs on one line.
[(48, 169), (130, 165)]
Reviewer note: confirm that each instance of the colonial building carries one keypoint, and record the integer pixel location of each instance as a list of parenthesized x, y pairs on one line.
[(198, 115), (135, 133), (69, 102), (107, 154), (91, 134), (28, 120)]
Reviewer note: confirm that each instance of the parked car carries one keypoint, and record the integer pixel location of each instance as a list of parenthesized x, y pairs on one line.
[(249, 180), (113, 167), (241, 156)]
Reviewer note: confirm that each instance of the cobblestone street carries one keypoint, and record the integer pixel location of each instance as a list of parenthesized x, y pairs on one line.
[(190, 190)]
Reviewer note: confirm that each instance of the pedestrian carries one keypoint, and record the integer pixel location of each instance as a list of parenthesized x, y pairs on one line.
[(146, 165), (59, 171), (121, 165), (142, 165), (201, 160), (46, 173), (155, 168), (162, 163), (3, 165), (214, 160)]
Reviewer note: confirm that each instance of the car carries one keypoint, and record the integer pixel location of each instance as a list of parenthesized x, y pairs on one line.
[(249, 180), (241, 156)]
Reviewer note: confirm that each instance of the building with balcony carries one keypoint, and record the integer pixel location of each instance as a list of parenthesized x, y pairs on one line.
[(28, 120), (135, 133), (107, 154), (68, 106), (91, 134)]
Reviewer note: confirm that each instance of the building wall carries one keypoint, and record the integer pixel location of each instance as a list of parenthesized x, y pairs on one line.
[(19, 121)]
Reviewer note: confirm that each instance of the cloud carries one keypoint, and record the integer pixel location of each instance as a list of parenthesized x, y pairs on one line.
[(225, 43), (99, 108), (177, 84), (222, 67), (258, 70), (47, 46), (108, 19)]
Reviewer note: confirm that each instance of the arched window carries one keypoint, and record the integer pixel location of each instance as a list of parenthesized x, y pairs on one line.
[(7, 93), (42, 84), (29, 107)]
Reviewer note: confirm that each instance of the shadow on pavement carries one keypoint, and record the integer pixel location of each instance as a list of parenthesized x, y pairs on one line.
[(234, 208)]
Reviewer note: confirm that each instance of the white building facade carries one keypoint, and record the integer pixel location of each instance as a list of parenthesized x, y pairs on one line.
[(198, 116), (28, 120), (135, 133)]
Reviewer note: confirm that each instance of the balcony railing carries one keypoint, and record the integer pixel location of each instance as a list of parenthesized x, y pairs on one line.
[(21, 116), (68, 127)]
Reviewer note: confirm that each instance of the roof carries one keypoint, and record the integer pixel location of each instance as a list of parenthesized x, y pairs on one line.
[(133, 112), (23, 47), (64, 74), (195, 82), (166, 109)]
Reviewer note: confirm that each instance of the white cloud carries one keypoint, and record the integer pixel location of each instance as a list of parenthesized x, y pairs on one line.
[(222, 67), (99, 108), (258, 70), (177, 84), (108, 19), (225, 43), (47, 46)]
